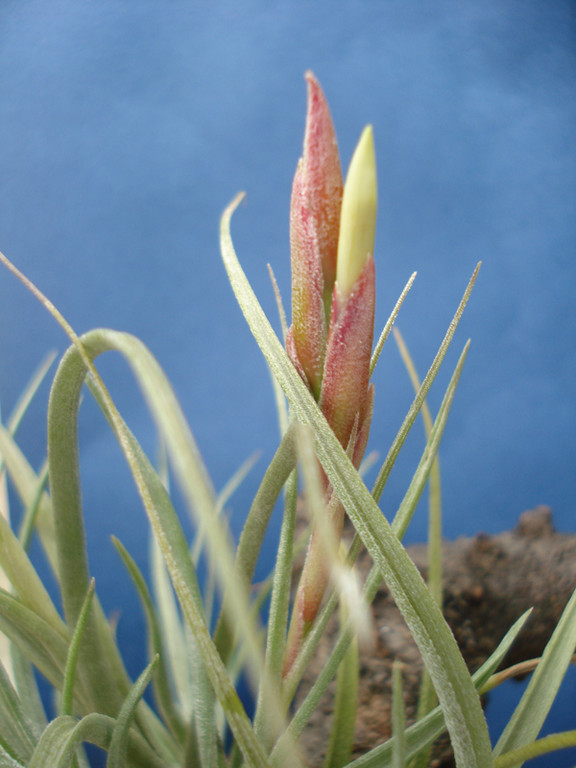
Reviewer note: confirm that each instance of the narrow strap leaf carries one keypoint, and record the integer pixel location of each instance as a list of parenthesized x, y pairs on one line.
[(161, 683), (119, 743), (23, 577), (73, 650), (17, 734), (45, 647), (167, 528), (58, 743), (252, 536), (345, 706), (425, 731), (517, 757), (398, 719), (19, 410), (26, 481), (172, 629), (55, 743), (32, 510), (528, 718), (6, 761), (422, 393), (278, 616), (390, 324), (456, 692), (399, 526), (26, 684)]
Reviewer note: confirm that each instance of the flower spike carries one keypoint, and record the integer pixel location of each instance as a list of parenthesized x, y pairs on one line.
[(332, 233)]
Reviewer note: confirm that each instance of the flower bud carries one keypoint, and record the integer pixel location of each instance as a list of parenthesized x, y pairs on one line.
[(358, 215), (323, 176), (314, 228), (345, 394)]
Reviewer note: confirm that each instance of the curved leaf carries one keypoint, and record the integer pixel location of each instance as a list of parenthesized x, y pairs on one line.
[(253, 532), (119, 743), (9, 762), (24, 579), (26, 483), (72, 657), (454, 687), (544, 746), (17, 733), (45, 647), (161, 683), (166, 526), (62, 736), (528, 718), (425, 731)]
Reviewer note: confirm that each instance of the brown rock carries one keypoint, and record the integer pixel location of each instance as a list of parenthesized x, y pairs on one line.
[(489, 582)]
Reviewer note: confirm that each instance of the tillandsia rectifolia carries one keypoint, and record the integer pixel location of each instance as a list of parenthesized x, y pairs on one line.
[(332, 231)]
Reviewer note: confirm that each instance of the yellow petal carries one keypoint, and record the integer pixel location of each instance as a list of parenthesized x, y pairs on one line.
[(358, 215)]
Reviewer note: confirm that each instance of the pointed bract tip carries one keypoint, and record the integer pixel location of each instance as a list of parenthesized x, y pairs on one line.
[(310, 77)]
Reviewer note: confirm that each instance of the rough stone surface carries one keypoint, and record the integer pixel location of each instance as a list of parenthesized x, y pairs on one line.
[(489, 582)]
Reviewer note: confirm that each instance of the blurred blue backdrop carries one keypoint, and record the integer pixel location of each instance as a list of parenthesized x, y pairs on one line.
[(125, 128)]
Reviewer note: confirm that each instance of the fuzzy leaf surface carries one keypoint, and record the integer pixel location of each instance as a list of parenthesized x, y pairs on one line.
[(455, 689)]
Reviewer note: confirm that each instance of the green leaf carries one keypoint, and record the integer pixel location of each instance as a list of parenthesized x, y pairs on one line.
[(6, 761), (26, 482), (398, 719), (191, 475), (456, 692), (422, 393), (372, 583), (161, 683), (100, 664), (17, 734), (390, 324), (173, 635), (222, 500), (72, 657), (59, 742), (212, 566), (528, 718), (420, 735), (253, 531), (118, 751), (166, 526), (428, 460), (39, 641), (281, 408), (19, 410), (279, 607), (399, 525), (23, 577), (32, 510), (204, 710), (56, 747), (26, 685), (344, 718), (544, 746), (435, 493)]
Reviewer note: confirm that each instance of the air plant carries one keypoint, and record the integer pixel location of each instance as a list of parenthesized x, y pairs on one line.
[(199, 647)]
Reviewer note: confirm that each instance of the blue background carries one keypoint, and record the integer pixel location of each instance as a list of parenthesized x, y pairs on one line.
[(125, 128)]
